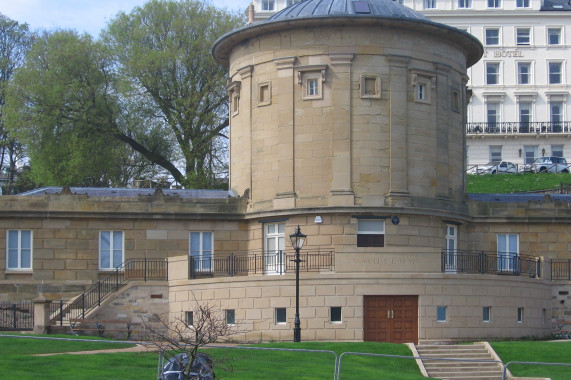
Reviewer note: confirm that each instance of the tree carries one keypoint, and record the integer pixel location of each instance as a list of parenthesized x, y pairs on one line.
[(186, 334), (171, 87), (62, 106), (15, 40)]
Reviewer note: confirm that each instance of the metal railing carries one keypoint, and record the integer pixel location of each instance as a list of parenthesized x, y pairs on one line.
[(16, 316), (512, 127), (131, 270), (457, 261), (259, 262), (561, 269)]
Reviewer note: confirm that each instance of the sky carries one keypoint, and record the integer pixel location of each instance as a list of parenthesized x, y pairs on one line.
[(84, 16)]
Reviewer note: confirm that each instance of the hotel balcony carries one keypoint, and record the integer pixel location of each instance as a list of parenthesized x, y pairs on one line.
[(516, 127)]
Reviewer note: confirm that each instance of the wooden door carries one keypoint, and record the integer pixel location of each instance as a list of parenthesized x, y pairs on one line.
[(391, 319)]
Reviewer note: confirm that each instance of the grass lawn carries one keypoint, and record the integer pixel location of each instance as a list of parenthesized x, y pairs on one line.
[(514, 183), (534, 351)]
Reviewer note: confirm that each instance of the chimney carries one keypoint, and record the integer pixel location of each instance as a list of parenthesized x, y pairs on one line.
[(251, 14)]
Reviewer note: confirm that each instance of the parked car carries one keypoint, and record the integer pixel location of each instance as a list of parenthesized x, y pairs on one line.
[(495, 167), (550, 164)]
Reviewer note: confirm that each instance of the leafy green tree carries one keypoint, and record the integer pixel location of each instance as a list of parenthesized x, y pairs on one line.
[(15, 40), (63, 108), (172, 90)]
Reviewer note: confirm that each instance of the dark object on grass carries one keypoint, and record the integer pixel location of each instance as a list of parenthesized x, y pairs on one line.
[(201, 368)]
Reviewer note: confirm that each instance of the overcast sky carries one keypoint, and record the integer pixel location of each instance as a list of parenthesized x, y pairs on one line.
[(89, 16)]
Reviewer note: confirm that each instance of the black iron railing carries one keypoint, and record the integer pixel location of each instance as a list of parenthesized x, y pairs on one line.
[(131, 270), (511, 127), (16, 316), (259, 262), (490, 262), (561, 269)]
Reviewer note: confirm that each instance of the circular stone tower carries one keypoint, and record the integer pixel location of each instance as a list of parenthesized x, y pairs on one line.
[(338, 103)]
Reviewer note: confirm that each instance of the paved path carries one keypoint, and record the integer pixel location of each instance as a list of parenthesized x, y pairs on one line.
[(137, 348)]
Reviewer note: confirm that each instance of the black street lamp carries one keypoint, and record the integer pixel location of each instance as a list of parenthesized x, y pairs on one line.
[(297, 241)]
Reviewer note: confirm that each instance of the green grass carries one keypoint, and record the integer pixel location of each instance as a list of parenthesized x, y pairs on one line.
[(515, 183), (536, 351)]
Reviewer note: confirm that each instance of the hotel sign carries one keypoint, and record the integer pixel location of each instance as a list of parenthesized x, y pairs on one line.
[(504, 53)]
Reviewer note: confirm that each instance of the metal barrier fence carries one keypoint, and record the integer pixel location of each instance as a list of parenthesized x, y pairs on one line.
[(490, 262), (16, 316)]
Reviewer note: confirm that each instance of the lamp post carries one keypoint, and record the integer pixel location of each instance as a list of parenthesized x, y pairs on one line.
[(297, 240)]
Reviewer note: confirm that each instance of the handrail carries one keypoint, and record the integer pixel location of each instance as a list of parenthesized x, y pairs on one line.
[(561, 269), (516, 127), (458, 261), (135, 269)]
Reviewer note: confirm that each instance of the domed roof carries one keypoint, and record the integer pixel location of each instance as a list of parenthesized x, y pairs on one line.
[(321, 13), (333, 8)]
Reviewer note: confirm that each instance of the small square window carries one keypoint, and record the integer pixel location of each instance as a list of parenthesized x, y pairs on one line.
[(335, 314), (268, 5), (230, 317), (464, 3), (523, 36), (311, 79), (264, 94), (370, 86), (280, 315), (486, 314), (429, 4), (441, 314), (522, 3), (494, 3), (554, 36), (423, 82), (189, 318), (520, 315), (371, 233)]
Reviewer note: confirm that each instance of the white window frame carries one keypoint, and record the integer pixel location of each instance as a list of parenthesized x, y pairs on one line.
[(464, 4), (280, 322), (496, 75), (487, 38), (314, 74), (520, 314), (560, 34), (230, 317), (331, 315), (521, 74), (20, 249), (189, 318), (274, 248), (521, 114), (495, 4), (494, 149), (510, 244), (523, 3), (523, 36), (493, 109), (487, 314), (423, 83), (558, 73), (430, 4), (112, 250), (201, 249), (451, 242), (556, 148), (530, 153), (556, 117)]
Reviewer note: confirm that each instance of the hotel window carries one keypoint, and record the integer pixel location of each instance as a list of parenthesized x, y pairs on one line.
[(492, 73), (371, 233), (556, 115), (523, 36), (495, 153), (525, 116), (335, 314), (441, 314), (554, 36), (520, 315), (557, 151), (522, 3), (486, 314), (19, 250), (370, 86), (464, 3), (494, 3), (492, 36), (280, 315), (429, 4), (493, 115), (268, 5), (555, 72), (110, 250), (201, 244), (230, 316), (530, 153), (524, 73)]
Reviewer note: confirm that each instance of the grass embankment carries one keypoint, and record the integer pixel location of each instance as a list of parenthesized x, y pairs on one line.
[(515, 183)]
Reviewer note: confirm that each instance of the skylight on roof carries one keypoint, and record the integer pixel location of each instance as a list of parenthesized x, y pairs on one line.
[(361, 7)]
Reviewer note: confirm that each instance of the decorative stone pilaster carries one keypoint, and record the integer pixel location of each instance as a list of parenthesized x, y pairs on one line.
[(41, 315)]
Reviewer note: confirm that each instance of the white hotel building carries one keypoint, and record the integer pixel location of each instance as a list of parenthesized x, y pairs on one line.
[(519, 109)]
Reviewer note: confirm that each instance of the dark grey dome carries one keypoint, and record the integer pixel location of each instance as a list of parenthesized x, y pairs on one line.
[(332, 8)]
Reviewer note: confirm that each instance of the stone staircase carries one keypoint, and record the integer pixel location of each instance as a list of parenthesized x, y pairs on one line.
[(484, 368)]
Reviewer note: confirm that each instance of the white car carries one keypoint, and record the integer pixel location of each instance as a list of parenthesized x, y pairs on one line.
[(548, 165), (503, 167)]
